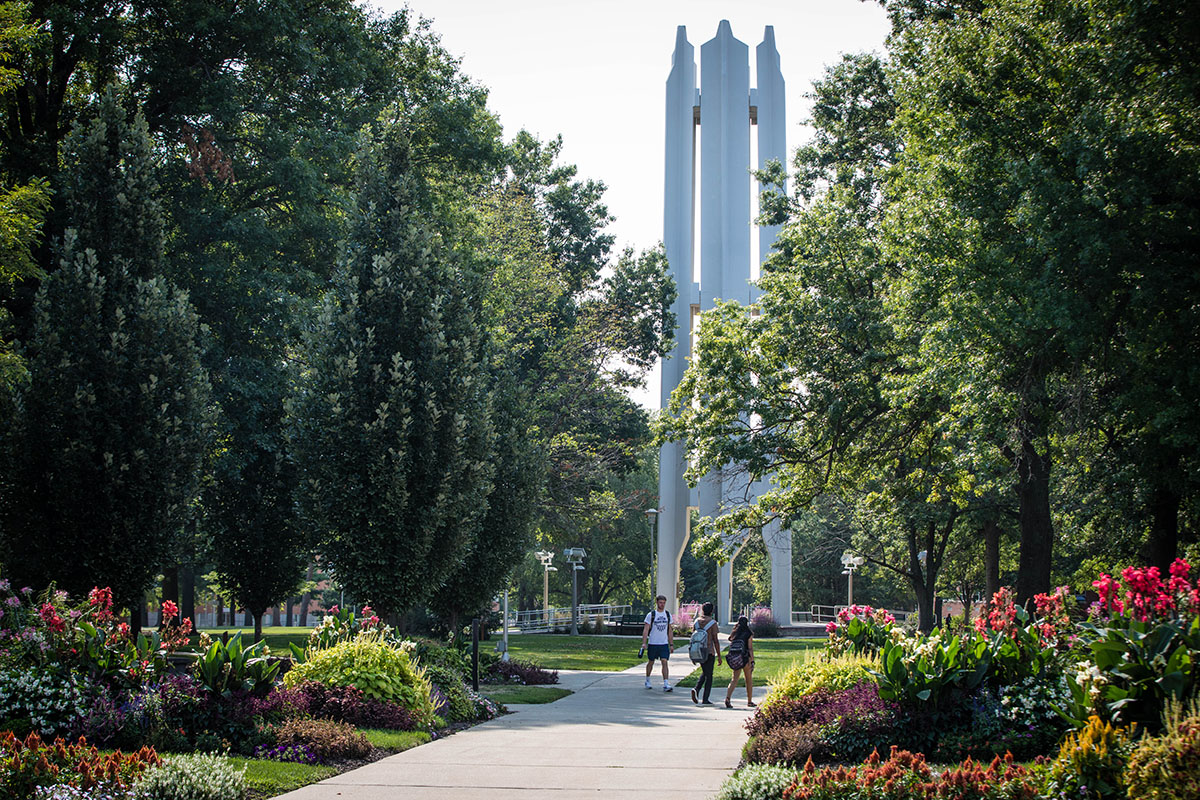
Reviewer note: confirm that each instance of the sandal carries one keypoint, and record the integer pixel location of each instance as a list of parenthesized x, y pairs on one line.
[(727, 703), (751, 704)]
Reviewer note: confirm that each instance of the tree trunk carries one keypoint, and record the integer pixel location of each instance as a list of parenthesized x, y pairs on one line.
[(219, 616), (1037, 528), (170, 591), (187, 593), (307, 597), (252, 619), (276, 615), (1162, 544), (991, 559), (257, 623), (291, 605)]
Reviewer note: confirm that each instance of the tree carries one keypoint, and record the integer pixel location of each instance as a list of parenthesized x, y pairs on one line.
[(111, 426), (1046, 144), (392, 427)]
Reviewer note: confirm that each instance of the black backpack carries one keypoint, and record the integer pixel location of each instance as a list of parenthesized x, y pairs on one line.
[(735, 656)]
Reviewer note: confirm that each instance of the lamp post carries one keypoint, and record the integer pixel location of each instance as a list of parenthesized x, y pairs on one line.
[(546, 557), (575, 556), (652, 517), (851, 562)]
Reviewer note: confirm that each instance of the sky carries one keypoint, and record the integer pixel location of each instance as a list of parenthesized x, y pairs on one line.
[(595, 72)]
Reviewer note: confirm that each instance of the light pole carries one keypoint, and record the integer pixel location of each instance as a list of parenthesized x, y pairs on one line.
[(652, 518), (851, 562), (546, 557), (575, 556)]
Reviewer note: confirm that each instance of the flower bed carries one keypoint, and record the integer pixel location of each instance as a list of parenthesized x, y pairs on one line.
[(72, 677), (1069, 692)]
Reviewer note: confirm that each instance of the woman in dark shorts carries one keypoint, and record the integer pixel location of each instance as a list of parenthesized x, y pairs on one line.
[(740, 657)]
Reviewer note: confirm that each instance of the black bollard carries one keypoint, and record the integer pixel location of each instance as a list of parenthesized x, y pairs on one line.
[(475, 654)]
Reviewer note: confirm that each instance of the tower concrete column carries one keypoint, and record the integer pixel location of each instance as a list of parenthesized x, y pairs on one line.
[(724, 109), (678, 232)]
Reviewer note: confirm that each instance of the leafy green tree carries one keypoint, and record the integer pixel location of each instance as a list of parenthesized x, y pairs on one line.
[(1044, 175), (392, 427), (111, 426)]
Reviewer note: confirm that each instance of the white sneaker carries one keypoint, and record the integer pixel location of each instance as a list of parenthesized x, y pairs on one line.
[(668, 687), (648, 686)]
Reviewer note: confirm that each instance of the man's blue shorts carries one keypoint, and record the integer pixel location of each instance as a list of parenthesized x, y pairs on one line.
[(656, 651)]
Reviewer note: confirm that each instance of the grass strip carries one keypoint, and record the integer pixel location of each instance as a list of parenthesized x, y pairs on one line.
[(394, 740), (266, 778), (511, 693)]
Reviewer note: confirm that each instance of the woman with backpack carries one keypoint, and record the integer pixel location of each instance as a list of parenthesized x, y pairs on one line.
[(705, 650), (740, 657)]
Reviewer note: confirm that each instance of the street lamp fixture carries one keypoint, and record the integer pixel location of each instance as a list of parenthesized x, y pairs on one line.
[(545, 556), (652, 518), (575, 556), (851, 562)]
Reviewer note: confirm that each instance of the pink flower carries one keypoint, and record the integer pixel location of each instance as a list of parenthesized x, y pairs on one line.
[(332, 610), (830, 627), (169, 610)]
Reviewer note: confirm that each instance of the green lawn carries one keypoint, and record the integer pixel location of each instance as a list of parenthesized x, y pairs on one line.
[(560, 651), (265, 778), (509, 693), (394, 740), (277, 638), (270, 778), (771, 657)]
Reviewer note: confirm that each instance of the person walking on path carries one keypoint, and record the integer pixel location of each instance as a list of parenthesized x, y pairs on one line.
[(740, 658), (658, 640), (708, 626)]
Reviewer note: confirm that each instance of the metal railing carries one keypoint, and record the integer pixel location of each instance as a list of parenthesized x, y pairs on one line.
[(822, 614), (540, 620)]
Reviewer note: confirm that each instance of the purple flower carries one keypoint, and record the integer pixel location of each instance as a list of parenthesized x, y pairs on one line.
[(13, 601), (26, 590)]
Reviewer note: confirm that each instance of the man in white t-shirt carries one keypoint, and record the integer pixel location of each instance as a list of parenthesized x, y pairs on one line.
[(658, 639)]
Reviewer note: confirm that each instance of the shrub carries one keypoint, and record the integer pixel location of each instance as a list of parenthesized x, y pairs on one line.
[(484, 707), (763, 624), (1165, 767), (430, 653), (906, 776), (807, 676), (345, 704), (458, 706), (523, 672), (232, 667), (325, 739), (45, 699), (26, 764), (381, 669), (861, 630), (197, 776), (295, 753), (789, 745), (1091, 762), (756, 782)]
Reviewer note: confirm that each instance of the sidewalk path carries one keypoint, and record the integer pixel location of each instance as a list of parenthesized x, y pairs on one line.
[(610, 739)]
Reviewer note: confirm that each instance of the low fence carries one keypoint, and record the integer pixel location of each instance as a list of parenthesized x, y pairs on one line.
[(823, 614), (541, 620)]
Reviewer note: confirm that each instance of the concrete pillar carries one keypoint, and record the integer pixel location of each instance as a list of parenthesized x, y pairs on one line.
[(678, 231), (724, 108), (779, 547)]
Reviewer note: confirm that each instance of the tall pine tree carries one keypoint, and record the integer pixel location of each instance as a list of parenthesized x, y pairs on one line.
[(392, 428), (110, 429)]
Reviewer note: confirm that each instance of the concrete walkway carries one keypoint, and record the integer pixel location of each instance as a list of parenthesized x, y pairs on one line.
[(611, 739)]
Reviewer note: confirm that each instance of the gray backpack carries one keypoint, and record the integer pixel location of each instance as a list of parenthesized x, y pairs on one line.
[(698, 644)]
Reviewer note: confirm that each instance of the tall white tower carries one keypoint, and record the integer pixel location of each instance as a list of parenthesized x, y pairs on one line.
[(722, 110)]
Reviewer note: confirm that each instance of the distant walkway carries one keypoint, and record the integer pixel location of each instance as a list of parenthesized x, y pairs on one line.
[(611, 739)]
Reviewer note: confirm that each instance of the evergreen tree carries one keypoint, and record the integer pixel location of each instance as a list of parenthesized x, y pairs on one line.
[(392, 428), (110, 428)]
